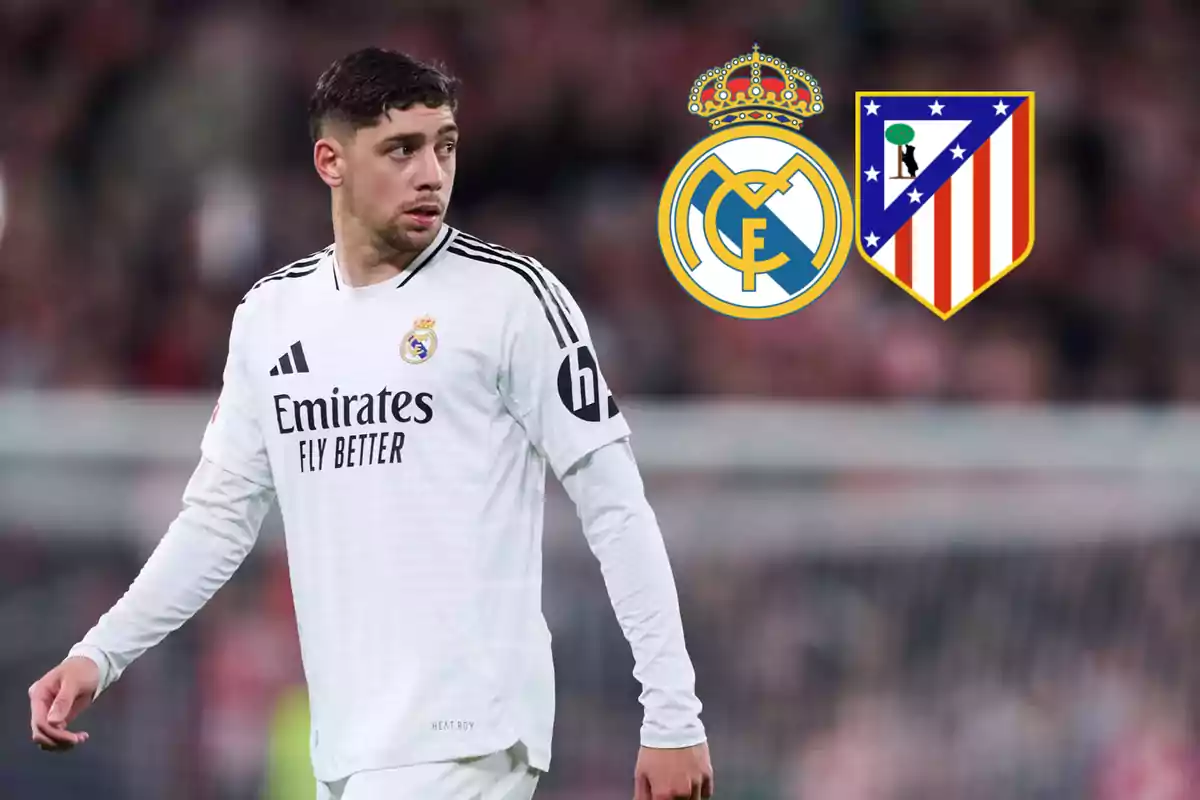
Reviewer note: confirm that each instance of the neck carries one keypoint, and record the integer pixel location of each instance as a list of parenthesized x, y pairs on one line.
[(363, 258)]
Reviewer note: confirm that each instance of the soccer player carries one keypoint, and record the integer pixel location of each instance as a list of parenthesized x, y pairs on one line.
[(401, 393)]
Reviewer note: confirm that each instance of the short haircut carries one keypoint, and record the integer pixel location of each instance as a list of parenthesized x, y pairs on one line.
[(361, 87)]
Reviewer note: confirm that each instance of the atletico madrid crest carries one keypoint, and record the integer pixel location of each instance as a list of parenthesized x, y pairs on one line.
[(944, 190)]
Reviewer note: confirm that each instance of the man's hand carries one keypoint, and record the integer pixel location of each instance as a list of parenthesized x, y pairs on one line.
[(683, 773), (58, 698)]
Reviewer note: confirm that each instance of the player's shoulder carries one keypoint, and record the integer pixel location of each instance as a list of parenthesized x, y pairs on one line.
[(517, 281), (274, 284), (523, 284), (498, 264)]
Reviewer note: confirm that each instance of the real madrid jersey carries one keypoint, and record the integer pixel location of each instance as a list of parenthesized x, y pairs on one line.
[(405, 428)]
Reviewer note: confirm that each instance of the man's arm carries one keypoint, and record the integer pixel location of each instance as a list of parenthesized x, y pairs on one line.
[(218, 526), (550, 380), (623, 533), (216, 529), (554, 387), (224, 504), (223, 508)]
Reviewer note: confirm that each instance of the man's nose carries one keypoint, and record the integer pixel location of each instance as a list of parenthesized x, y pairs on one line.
[(429, 173)]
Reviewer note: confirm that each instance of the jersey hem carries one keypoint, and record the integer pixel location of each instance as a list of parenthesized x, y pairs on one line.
[(538, 758)]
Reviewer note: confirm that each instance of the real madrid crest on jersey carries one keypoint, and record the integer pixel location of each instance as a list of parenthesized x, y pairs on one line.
[(420, 342), (755, 221), (944, 190)]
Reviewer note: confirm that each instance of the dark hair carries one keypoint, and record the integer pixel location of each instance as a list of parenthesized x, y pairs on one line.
[(364, 85)]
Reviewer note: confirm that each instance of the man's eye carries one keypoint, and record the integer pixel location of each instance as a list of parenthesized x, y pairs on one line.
[(449, 147), (401, 151)]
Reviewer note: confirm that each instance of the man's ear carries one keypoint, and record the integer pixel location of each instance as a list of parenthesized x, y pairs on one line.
[(329, 158)]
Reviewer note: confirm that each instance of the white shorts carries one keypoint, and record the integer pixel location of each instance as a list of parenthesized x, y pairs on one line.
[(500, 776)]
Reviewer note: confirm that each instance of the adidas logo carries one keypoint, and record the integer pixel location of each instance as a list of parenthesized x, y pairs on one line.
[(296, 356)]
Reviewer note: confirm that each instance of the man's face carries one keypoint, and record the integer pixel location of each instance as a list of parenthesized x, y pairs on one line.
[(399, 174)]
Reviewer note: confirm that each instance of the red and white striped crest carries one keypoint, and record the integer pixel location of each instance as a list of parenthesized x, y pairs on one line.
[(944, 190)]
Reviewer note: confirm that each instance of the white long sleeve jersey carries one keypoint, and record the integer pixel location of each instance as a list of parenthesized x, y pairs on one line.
[(405, 428)]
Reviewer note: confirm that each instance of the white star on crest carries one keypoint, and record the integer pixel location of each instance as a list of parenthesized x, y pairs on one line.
[(958, 151), (871, 240), (915, 196), (936, 109), (872, 174), (871, 108), (1000, 107)]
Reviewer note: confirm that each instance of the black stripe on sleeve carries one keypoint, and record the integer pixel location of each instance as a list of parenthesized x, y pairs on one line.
[(298, 274), (297, 269), (524, 275), (307, 261), (525, 264), (284, 276), (503, 252), (537, 273)]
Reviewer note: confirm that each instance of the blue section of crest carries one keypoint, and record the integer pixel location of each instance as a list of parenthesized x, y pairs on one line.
[(777, 237), (982, 121)]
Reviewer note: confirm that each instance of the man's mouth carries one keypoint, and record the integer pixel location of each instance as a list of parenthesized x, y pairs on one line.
[(425, 213)]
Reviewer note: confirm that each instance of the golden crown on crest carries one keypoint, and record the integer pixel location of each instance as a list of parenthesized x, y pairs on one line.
[(755, 88), (424, 323)]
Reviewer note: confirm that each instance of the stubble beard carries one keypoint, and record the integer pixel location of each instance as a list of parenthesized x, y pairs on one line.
[(394, 239)]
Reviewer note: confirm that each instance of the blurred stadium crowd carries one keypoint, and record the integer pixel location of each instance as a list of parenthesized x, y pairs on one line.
[(154, 162)]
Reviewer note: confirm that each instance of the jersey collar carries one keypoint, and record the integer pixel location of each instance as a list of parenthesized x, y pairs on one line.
[(423, 259)]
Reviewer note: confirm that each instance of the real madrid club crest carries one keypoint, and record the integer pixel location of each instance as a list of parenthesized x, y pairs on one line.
[(755, 221), (420, 342)]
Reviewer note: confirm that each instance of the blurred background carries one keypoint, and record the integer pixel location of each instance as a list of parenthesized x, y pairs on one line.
[(916, 559)]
